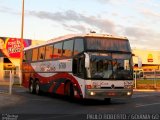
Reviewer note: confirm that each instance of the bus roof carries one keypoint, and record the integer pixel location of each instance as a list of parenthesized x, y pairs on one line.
[(61, 38)]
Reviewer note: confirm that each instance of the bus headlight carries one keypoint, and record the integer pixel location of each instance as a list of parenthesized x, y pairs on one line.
[(92, 93), (129, 93)]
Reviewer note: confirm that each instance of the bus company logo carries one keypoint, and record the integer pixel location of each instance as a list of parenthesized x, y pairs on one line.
[(104, 84), (62, 65), (47, 67), (150, 58), (100, 84)]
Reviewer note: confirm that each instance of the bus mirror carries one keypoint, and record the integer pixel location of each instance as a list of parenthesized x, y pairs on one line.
[(86, 60)]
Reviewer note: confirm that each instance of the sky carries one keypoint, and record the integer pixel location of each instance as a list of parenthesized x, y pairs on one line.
[(138, 20)]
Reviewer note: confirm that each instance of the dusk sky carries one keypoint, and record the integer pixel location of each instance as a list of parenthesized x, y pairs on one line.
[(138, 20)]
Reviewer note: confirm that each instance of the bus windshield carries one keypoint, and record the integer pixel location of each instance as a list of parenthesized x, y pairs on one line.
[(109, 44), (115, 66)]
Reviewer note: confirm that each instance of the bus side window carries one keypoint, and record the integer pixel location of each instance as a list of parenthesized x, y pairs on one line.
[(35, 54), (78, 46), (79, 66), (57, 52), (68, 48), (41, 53), (27, 56), (49, 52)]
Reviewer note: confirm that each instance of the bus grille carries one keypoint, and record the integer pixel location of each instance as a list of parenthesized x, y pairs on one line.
[(112, 88)]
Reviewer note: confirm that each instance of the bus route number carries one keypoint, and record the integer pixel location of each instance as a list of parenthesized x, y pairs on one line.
[(62, 65)]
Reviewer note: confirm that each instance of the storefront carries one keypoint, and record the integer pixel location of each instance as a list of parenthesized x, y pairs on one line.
[(10, 49), (150, 59)]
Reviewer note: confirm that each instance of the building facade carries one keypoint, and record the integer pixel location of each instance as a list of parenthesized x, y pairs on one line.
[(10, 51), (150, 59)]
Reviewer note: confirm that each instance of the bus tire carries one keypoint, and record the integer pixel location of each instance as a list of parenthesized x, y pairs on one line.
[(68, 90), (31, 87), (37, 88)]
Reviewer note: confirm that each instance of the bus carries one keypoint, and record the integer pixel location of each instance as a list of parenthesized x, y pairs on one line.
[(82, 66)]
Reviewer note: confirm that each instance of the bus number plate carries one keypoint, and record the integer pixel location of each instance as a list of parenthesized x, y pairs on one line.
[(111, 93)]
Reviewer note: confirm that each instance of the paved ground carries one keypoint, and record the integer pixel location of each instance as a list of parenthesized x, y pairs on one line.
[(27, 106), (10, 99), (7, 99)]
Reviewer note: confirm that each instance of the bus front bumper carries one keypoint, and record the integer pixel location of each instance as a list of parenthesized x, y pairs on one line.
[(108, 93)]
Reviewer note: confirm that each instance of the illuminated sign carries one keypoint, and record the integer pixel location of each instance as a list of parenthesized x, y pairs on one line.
[(150, 58), (13, 46)]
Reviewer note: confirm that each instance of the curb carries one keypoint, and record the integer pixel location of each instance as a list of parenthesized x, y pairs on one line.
[(146, 90)]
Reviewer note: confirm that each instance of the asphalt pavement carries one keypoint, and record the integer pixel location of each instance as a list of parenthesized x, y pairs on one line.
[(7, 99), (27, 106)]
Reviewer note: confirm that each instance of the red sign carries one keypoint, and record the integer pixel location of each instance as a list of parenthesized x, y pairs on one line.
[(150, 60), (13, 46)]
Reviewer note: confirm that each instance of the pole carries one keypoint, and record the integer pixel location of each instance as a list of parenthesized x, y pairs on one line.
[(155, 78), (22, 45), (135, 81), (10, 82), (22, 26)]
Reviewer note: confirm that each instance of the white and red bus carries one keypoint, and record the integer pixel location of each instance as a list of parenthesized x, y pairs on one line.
[(88, 66)]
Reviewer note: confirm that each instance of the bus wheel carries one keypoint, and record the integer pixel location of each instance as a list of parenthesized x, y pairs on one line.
[(68, 90), (31, 87), (37, 88)]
